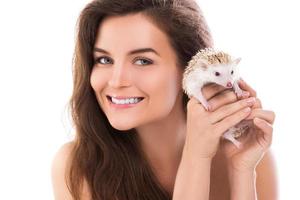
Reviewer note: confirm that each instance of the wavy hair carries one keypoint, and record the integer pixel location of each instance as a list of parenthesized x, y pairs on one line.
[(112, 162)]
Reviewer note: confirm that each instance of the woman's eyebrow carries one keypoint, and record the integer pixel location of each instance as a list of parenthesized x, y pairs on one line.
[(135, 51)]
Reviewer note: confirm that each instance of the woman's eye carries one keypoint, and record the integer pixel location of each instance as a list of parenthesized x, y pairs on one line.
[(103, 60), (143, 62), (106, 60)]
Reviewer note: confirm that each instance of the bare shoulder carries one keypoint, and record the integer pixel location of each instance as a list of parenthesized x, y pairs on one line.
[(266, 181), (58, 171), (59, 168)]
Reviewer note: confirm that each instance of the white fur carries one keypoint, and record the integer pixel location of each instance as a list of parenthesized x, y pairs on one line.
[(199, 77)]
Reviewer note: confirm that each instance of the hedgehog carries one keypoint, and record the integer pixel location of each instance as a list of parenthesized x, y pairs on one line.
[(214, 66)]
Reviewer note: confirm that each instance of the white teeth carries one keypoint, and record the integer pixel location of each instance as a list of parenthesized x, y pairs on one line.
[(125, 101)]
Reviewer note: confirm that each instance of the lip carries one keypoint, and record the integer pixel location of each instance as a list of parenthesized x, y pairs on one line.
[(122, 97), (119, 106)]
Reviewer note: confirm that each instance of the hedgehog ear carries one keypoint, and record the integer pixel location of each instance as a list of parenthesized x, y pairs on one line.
[(237, 61), (203, 63)]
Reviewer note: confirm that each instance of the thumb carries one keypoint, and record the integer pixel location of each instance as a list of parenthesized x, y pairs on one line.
[(265, 137)]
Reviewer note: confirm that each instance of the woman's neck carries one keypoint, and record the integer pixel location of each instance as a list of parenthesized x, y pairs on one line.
[(163, 142)]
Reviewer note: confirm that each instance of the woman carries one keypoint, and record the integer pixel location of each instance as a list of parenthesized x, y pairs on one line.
[(137, 135)]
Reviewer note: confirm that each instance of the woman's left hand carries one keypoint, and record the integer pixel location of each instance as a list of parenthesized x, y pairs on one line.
[(255, 142)]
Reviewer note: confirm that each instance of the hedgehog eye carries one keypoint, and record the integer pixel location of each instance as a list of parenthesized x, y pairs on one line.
[(231, 72), (217, 73)]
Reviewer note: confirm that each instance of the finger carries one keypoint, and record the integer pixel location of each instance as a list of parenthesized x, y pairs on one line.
[(221, 99), (244, 86), (232, 120), (194, 103), (266, 128), (212, 89), (257, 104), (193, 100), (267, 115), (229, 109)]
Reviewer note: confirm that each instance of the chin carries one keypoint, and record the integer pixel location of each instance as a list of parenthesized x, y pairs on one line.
[(121, 126)]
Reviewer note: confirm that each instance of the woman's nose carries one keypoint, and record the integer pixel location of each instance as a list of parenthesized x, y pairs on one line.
[(120, 77)]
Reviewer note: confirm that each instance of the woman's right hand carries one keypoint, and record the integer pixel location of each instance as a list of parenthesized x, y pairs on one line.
[(205, 128)]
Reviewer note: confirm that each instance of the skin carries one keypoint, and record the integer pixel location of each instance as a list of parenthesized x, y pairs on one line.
[(192, 144)]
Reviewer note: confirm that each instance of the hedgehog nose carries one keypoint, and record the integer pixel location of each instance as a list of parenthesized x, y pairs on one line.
[(229, 85)]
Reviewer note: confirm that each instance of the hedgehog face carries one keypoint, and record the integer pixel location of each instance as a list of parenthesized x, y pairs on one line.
[(223, 74)]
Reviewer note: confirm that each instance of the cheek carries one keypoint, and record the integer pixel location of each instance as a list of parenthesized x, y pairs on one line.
[(162, 87), (97, 80)]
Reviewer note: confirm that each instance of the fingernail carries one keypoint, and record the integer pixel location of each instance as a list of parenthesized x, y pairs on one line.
[(246, 94), (246, 110), (251, 100)]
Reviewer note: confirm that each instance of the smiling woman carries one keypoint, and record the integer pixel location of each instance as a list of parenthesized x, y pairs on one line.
[(138, 136)]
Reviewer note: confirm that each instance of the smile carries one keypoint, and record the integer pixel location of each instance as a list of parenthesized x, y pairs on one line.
[(124, 101)]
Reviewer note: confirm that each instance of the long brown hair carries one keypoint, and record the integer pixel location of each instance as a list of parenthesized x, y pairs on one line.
[(111, 161)]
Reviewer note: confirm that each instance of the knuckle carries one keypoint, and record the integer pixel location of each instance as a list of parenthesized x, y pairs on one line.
[(227, 109), (242, 103), (213, 105), (243, 113), (273, 115)]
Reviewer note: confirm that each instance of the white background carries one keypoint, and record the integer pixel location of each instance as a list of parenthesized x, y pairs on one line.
[(36, 48)]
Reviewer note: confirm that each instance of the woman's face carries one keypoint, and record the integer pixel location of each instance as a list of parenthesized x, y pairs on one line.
[(133, 58)]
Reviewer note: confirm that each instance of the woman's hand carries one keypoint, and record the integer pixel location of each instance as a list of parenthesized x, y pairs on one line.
[(204, 129), (255, 141), (203, 132)]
